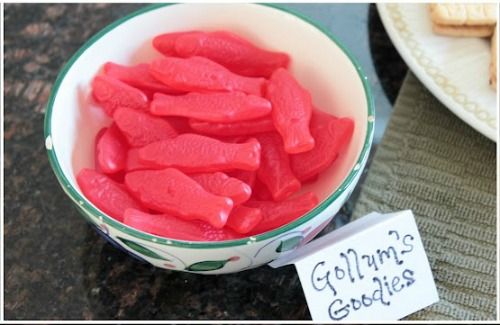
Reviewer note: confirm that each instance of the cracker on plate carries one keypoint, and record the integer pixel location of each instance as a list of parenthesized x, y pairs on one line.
[(464, 14), (463, 31), (494, 59)]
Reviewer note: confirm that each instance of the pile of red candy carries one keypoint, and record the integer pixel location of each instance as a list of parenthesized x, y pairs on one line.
[(211, 142)]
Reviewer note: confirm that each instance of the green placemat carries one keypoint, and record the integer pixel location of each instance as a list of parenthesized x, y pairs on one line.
[(431, 162)]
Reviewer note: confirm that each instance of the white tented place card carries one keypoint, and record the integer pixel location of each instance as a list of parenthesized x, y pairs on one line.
[(372, 269)]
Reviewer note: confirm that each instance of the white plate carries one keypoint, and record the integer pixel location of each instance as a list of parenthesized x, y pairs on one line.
[(455, 70)]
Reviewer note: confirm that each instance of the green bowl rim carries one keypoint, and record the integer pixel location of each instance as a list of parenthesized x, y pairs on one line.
[(82, 201)]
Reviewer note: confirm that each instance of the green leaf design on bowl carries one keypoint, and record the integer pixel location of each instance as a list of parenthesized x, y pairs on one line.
[(207, 266), (289, 244), (141, 249)]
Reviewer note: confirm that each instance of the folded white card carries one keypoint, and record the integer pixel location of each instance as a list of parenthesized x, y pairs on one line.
[(374, 268)]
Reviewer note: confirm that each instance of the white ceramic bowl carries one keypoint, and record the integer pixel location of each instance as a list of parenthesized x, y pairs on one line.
[(319, 62)]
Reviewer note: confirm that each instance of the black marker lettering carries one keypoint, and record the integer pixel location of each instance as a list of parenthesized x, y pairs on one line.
[(370, 261), (378, 294), (356, 259), (356, 304), (344, 310), (316, 280), (348, 264), (387, 254), (387, 286), (395, 233), (339, 273), (367, 301), (408, 245), (408, 276), (394, 284)]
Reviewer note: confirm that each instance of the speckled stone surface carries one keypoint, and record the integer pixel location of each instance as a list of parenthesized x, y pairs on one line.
[(56, 266)]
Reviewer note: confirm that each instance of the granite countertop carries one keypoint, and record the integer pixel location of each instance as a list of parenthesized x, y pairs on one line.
[(58, 267)]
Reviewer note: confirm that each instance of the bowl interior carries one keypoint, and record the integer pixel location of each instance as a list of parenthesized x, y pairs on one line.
[(317, 62)]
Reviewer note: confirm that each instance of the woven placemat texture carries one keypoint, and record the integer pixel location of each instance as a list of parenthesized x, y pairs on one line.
[(431, 162)]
